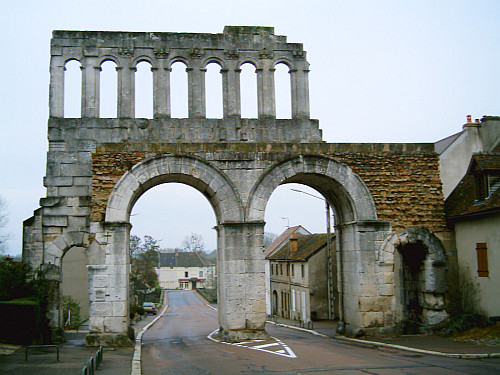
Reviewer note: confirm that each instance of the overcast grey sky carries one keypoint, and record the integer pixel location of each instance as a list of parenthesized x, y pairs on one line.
[(381, 71)]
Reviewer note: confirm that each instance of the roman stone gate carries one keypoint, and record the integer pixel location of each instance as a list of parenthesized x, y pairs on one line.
[(386, 197)]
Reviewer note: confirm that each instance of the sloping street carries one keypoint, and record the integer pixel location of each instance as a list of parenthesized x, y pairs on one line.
[(182, 342)]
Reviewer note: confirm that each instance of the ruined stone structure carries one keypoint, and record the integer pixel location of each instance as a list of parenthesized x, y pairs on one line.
[(387, 198)]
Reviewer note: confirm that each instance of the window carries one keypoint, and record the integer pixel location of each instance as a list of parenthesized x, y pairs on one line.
[(302, 270), (482, 260), (144, 90), (288, 269), (277, 273), (201, 273), (272, 269), (281, 269), (248, 91), (108, 83), (293, 270), (186, 274), (482, 189)]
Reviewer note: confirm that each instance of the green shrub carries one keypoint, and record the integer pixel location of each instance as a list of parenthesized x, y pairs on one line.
[(464, 305), (464, 322), (23, 322), (71, 309), (13, 279)]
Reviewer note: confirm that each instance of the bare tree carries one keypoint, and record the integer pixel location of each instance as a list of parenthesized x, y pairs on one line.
[(269, 238), (4, 237), (194, 242)]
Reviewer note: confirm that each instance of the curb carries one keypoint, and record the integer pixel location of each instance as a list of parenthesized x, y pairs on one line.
[(136, 359), (394, 346)]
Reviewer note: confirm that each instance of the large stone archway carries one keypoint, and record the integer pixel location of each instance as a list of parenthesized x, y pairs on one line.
[(357, 230), (98, 167)]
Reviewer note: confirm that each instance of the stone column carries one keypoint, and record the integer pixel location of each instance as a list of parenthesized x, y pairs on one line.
[(109, 288), (265, 89), (231, 90), (161, 90), (126, 92), (196, 90), (241, 279), (57, 69), (90, 87), (300, 90)]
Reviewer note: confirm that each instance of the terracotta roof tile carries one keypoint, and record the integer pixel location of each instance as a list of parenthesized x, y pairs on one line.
[(307, 246)]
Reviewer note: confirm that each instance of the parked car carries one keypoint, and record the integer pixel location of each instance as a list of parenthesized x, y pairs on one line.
[(150, 308)]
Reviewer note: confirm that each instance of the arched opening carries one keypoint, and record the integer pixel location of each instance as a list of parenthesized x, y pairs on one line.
[(72, 89), (170, 222), (75, 283), (108, 90), (143, 90), (213, 91), (302, 210), (409, 268), (248, 91), (283, 91), (179, 90)]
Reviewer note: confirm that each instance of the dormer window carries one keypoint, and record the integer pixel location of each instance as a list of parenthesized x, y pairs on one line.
[(482, 187), (486, 185)]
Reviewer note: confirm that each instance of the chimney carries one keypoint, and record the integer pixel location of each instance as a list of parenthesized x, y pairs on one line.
[(293, 243)]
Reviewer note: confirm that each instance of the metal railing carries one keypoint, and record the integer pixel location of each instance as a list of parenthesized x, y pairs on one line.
[(40, 347), (93, 363)]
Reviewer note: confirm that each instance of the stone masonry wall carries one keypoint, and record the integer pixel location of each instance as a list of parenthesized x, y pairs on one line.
[(405, 184)]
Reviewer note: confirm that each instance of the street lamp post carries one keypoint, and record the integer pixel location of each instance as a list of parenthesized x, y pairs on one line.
[(331, 296)]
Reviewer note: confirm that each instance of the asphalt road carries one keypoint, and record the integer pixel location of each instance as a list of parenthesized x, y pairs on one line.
[(179, 344)]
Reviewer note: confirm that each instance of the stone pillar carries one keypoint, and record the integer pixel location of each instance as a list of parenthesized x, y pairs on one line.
[(366, 295), (196, 90), (241, 281), (231, 90), (300, 90), (126, 92), (109, 288), (56, 101), (90, 87), (265, 90), (161, 90)]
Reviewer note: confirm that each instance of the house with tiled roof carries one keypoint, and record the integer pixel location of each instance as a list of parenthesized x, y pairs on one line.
[(298, 278), (473, 211), (278, 242), (185, 270)]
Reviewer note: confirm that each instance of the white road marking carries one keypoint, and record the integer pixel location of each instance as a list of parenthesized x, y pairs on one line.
[(283, 349), (264, 346)]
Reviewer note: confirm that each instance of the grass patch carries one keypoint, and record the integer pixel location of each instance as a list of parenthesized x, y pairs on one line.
[(486, 336)]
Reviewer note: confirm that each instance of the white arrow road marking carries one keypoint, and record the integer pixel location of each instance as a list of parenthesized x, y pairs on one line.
[(272, 346)]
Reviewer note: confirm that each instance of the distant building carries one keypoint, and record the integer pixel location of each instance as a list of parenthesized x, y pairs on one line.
[(278, 242), (298, 278), (185, 270)]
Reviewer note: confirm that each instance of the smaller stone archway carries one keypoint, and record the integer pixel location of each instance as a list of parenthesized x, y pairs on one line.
[(51, 266), (418, 260)]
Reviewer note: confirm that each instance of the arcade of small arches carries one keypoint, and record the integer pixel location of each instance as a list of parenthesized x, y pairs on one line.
[(143, 78)]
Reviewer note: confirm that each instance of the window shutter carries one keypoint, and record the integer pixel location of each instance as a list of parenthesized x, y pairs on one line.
[(482, 260)]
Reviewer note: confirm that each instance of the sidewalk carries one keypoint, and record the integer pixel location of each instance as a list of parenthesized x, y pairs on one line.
[(425, 344), (73, 355)]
